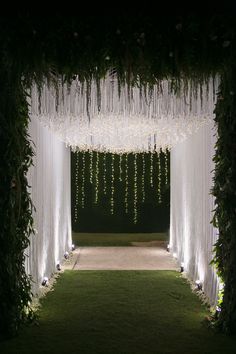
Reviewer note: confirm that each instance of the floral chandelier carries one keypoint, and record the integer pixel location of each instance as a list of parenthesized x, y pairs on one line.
[(107, 116)]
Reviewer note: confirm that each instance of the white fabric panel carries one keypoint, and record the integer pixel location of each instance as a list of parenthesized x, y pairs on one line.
[(124, 119), (192, 236), (50, 180)]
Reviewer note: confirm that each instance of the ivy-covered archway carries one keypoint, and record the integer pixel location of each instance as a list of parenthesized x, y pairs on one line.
[(143, 50)]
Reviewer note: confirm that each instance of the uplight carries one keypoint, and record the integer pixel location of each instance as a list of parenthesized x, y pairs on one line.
[(66, 255), (198, 284), (45, 281), (58, 266)]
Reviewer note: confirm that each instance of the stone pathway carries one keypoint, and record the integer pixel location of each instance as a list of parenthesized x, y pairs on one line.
[(150, 256)]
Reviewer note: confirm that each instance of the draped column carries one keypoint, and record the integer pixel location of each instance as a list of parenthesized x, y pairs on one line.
[(192, 235), (49, 180)]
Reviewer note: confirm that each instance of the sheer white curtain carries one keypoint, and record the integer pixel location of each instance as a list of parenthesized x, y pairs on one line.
[(192, 236), (125, 119), (49, 179)]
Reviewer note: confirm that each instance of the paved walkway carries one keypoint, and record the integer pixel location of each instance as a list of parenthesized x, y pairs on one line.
[(141, 257)]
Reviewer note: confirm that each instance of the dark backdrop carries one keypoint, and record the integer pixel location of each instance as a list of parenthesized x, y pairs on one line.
[(152, 216)]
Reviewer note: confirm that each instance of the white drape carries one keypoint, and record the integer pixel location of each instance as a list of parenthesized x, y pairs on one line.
[(123, 120), (49, 179), (192, 236), (123, 123)]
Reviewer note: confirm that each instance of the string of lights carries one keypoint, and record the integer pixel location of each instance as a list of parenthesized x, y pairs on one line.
[(159, 179), (112, 183), (120, 167), (135, 219), (97, 178), (77, 188), (83, 181), (104, 174), (126, 184), (131, 169), (151, 169), (91, 166), (143, 178), (166, 167)]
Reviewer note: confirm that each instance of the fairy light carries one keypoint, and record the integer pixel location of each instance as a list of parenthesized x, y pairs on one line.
[(76, 186), (166, 167), (91, 166), (104, 174), (159, 178), (97, 103), (112, 183), (159, 161), (143, 178), (83, 180), (97, 177), (151, 169), (104, 163), (126, 184), (135, 219), (120, 168)]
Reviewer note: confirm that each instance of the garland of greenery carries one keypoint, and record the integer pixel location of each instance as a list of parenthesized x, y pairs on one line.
[(143, 51), (140, 48), (15, 206), (224, 192)]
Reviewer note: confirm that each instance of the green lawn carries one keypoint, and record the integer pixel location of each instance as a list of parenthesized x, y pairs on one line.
[(113, 239), (120, 312)]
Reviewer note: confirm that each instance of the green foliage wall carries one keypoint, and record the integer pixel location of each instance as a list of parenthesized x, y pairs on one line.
[(143, 50), (225, 192), (15, 205)]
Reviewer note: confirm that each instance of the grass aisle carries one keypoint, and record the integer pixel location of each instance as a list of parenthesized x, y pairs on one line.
[(120, 312)]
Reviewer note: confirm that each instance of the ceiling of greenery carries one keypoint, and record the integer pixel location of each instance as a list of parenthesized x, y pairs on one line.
[(142, 46)]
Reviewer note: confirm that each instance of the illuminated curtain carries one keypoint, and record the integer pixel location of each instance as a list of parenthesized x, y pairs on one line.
[(122, 119), (192, 236), (49, 179)]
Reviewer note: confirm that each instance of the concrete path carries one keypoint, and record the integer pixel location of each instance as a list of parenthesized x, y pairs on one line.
[(151, 257)]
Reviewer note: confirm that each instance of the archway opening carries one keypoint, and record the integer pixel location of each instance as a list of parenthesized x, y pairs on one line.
[(179, 47), (122, 138)]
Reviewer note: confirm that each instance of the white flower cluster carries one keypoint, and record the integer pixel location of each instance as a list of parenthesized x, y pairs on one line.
[(119, 119)]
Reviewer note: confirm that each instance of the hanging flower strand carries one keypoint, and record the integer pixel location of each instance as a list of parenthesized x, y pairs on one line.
[(166, 167), (126, 184), (112, 183), (104, 173), (151, 169), (159, 178), (135, 219), (76, 186), (91, 166), (83, 180), (120, 168), (143, 178), (97, 178)]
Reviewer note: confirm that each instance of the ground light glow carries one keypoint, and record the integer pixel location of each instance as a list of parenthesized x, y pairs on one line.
[(45, 281), (198, 284), (58, 265)]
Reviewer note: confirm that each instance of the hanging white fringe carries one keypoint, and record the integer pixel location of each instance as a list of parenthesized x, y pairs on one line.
[(107, 120)]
